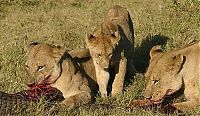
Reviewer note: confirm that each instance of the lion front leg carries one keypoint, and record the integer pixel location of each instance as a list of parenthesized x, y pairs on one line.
[(192, 97), (117, 86), (186, 106), (102, 80), (77, 99)]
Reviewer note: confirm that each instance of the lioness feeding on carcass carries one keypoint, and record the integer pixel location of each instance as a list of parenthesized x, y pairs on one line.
[(53, 65), (168, 72)]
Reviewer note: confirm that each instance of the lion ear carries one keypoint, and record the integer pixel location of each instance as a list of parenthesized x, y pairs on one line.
[(178, 62), (90, 38), (30, 46), (115, 38), (58, 53), (155, 50)]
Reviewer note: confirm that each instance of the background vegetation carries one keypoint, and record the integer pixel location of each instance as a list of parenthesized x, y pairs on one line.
[(173, 23)]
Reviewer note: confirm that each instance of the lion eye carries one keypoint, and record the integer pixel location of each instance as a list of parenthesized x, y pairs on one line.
[(27, 67), (40, 68), (99, 55), (113, 35), (155, 82), (109, 55)]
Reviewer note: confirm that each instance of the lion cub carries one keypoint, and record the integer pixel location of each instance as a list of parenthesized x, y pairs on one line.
[(52, 64), (168, 72), (111, 47)]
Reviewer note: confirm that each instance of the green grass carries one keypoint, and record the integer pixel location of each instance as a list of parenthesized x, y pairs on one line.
[(173, 23)]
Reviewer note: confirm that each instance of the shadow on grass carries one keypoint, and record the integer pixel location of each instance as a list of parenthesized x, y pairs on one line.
[(141, 55)]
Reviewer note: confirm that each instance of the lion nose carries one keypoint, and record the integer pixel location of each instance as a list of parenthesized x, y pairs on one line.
[(148, 97), (30, 81), (30, 84)]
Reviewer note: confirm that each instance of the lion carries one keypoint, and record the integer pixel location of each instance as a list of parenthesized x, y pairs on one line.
[(111, 48), (51, 64), (83, 58), (169, 72)]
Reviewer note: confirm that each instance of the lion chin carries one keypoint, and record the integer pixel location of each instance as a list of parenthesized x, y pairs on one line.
[(49, 80)]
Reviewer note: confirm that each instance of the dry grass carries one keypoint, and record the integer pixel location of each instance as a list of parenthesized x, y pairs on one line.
[(173, 23)]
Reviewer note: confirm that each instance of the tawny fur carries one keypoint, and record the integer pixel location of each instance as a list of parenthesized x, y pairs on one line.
[(169, 72), (115, 36), (52, 64)]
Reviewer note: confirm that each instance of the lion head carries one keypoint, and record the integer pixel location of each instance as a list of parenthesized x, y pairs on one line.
[(43, 63), (164, 74), (102, 44)]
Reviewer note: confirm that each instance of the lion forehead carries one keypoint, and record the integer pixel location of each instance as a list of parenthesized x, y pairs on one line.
[(40, 55), (158, 68)]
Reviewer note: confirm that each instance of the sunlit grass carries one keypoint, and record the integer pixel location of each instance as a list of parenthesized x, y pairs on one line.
[(66, 22)]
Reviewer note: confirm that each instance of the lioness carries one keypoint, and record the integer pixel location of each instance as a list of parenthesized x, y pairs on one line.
[(111, 47), (168, 72), (52, 64)]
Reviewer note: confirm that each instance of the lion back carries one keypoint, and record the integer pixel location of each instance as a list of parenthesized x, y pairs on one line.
[(120, 16)]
